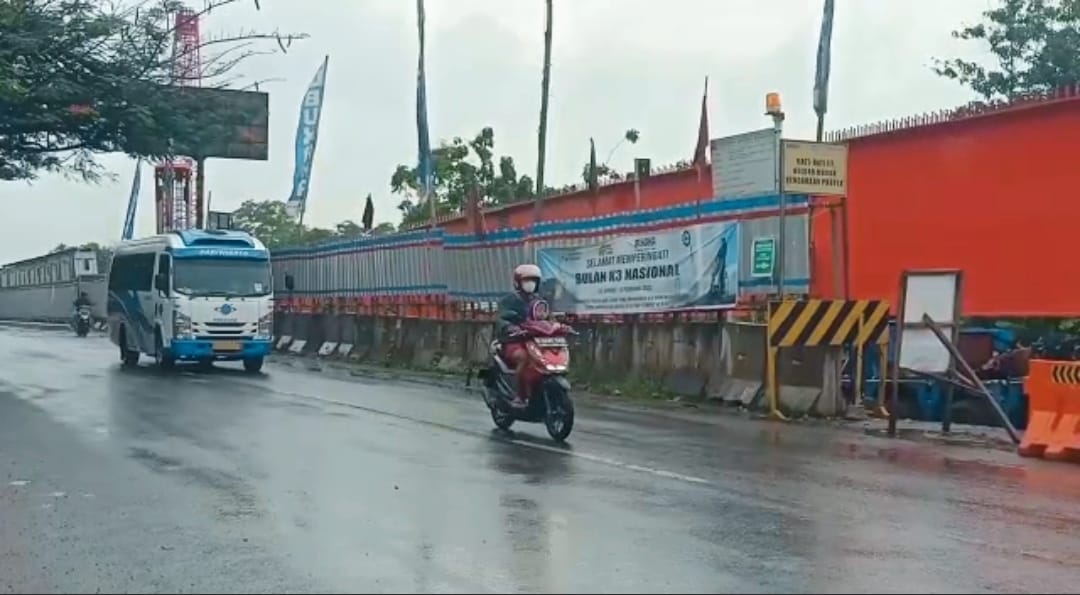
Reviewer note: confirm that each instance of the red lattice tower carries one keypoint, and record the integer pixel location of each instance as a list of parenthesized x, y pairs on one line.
[(187, 66), (176, 208)]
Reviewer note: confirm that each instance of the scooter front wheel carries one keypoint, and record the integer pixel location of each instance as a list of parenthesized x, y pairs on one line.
[(559, 418)]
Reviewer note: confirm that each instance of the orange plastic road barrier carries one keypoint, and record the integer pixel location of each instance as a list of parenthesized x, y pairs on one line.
[(1053, 430)]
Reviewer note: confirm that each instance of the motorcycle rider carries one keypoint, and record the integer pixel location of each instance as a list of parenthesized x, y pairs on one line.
[(82, 300), (514, 309)]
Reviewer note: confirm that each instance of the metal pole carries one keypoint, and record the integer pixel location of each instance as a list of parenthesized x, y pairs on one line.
[(846, 249), (958, 359), (200, 191), (778, 128)]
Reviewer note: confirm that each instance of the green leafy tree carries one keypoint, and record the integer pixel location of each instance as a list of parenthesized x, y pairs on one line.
[(604, 170), (352, 229), (269, 221), (348, 229), (459, 166), (316, 235), (1034, 43), (383, 228), (81, 77)]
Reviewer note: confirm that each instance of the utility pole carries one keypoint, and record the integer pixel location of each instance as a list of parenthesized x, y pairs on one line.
[(545, 85)]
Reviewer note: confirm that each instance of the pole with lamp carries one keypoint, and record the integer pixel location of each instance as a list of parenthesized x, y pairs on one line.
[(774, 109)]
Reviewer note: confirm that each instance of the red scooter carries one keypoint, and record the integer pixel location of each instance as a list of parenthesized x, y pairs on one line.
[(549, 403)]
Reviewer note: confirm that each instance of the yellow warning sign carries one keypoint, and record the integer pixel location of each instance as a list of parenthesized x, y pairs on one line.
[(815, 168)]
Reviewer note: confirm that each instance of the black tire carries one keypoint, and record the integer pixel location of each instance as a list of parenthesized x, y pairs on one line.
[(253, 365), (162, 359), (559, 419), (503, 419), (127, 357)]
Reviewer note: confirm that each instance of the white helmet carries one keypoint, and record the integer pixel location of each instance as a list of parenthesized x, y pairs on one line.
[(527, 278)]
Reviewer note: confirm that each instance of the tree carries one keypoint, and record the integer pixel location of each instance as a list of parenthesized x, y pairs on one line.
[(83, 77), (604, 170), (383, 228), (458, 167), (348, 229), (270, 222), (1034, 43)]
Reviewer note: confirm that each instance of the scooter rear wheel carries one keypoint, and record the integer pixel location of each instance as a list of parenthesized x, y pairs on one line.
[(503, 420)]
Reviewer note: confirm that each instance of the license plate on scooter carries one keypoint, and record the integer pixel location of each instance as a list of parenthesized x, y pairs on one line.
[(550, 342)]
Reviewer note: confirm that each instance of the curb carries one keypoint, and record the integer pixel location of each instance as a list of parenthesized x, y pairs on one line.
[(457, 382), (99, 329), (34, 324), (689, 411)]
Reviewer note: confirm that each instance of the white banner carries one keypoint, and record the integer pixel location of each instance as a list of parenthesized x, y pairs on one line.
[(694, 267)]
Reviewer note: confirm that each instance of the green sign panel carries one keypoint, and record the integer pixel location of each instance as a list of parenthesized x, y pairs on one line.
[(763, 257)]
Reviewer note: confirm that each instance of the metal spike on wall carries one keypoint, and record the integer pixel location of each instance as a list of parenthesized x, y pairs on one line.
[(971, 110)]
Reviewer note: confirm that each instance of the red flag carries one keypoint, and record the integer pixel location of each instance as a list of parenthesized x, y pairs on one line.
[(701, 150)]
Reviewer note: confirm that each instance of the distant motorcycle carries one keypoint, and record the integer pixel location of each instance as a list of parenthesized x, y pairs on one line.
[(550, 403), (82, 321)]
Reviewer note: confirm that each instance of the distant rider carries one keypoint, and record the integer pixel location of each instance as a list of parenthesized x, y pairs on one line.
[(82, 300), (515, 309)]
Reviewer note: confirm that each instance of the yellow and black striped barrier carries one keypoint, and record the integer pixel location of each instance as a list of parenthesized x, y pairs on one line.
[(835, 323), (1065, 374), (824, 323)]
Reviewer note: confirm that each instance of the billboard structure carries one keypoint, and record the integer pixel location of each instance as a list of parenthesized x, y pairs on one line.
[(209, 124)]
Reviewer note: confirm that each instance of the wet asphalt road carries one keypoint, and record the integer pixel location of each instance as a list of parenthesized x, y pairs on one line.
[(135, 480)]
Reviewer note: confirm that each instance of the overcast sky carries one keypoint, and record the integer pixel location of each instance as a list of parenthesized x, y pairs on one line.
[(616, 64)]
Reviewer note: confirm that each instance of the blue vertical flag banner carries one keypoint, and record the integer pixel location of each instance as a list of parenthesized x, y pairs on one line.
[(133, 201), (824, 57), (307, 133), (424, 167)]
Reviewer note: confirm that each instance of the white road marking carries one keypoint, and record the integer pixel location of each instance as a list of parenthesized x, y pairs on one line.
[(614, 463), (59, 494), (19, 483), (544, 447)]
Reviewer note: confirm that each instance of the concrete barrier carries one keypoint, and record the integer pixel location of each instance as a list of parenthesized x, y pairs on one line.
[(723, 362)]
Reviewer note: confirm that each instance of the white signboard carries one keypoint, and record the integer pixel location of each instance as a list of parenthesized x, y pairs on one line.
[(744, 165), (933, 293), (694, 267)]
